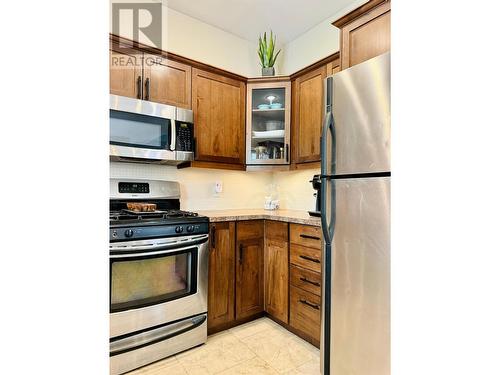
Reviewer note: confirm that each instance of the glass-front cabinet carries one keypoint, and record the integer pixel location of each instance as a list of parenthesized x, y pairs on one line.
[(268, 123)]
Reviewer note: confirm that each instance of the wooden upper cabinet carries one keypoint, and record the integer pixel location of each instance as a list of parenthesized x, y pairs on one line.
[(219, 117), (221, 274), (308, 115), (125, 73), (249, 268), (365, 32), (167, 82), (276, 269)]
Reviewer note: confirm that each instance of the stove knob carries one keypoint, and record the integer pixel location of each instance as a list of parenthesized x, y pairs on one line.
[(190, 228), (179, 229), (129, 233)]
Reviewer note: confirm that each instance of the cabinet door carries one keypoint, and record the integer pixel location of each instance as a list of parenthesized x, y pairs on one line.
[(125, 73), (249, 268), (219, 115), (308, 115), (276, 270), (221, 274), (167, 82), (367, 36)]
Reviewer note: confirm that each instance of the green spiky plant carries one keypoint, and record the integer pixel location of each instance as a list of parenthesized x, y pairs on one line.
[(266, 51)]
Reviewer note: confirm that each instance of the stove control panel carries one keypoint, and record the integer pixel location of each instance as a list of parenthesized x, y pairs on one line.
[(154, 231), (133, 187)]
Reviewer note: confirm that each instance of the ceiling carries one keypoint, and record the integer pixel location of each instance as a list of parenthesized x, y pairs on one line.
[(248, 18)]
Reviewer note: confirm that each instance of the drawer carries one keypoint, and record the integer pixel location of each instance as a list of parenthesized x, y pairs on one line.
[(304, 279), (305, 312), (305, 235), (305, 257)]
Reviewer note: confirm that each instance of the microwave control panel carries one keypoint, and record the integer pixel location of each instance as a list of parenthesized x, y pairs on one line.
[(184, 136)]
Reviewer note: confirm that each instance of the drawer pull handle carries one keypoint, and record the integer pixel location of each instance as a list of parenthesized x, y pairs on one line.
[(305, 302), (310, 237), (309, 281), (309, 258)]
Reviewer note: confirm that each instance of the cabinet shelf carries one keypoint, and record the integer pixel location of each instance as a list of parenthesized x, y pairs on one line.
[(269, 110)]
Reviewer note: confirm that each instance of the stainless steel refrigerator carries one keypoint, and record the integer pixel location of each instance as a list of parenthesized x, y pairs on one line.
[(355, 216)]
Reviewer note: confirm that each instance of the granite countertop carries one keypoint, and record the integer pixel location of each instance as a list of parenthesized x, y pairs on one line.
[(291, 216)]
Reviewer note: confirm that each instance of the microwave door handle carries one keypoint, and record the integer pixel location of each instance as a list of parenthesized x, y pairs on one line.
[(173, 135)]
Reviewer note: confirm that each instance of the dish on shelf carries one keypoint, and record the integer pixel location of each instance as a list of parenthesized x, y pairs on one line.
[(263, 106), (269, 134), (274, 125), (276, 105)]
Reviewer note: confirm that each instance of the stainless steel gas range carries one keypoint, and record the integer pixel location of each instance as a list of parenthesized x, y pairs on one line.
[(158, 275)]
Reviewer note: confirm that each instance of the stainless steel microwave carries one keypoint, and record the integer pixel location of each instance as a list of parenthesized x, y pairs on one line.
[(147, 132)]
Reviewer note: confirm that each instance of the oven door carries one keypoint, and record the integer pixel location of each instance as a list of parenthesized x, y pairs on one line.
[(156, 281), (140, 130)]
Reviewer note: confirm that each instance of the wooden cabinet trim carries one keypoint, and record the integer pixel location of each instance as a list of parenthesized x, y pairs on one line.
[(358, 12), (318, 64)]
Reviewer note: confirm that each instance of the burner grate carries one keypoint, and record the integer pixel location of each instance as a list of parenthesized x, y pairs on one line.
[(163, 215)]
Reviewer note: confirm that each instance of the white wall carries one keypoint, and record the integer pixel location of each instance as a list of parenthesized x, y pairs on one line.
[(240, 189), (296, 192), (317, 43), (199, 41)]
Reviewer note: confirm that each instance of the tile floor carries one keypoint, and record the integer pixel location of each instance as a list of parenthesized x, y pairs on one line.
[(258, 347)]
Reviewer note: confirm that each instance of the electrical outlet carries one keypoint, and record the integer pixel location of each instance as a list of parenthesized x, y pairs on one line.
[(218, 187)]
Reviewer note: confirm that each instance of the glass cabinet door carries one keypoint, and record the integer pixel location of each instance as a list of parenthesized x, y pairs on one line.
[(268, 123)]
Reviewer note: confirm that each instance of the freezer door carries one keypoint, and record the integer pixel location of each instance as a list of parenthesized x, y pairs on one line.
[(362, 113), (360, 302)]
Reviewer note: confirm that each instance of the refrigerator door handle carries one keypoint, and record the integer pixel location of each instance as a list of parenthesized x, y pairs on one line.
[(328, 128)]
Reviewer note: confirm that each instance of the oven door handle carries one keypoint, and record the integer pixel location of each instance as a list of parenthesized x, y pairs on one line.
[(123, 344), (155, 249)]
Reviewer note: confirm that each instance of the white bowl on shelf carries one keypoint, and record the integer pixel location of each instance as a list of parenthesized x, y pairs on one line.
[(274, 125)]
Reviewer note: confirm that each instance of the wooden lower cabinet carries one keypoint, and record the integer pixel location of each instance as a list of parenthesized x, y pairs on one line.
[(256, 266), (276, 270), (305, 312), (221, 274), (305, 281), (249, 268)]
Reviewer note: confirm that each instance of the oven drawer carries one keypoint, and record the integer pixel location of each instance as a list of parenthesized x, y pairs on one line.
[(305, 235), (307, 280), (133, 351), (305, 257), (305, 312)]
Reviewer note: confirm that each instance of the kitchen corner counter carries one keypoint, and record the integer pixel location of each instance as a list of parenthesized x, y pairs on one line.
[(290, 216)]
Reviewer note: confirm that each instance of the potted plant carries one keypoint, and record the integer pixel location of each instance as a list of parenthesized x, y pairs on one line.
[(266, 54)]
